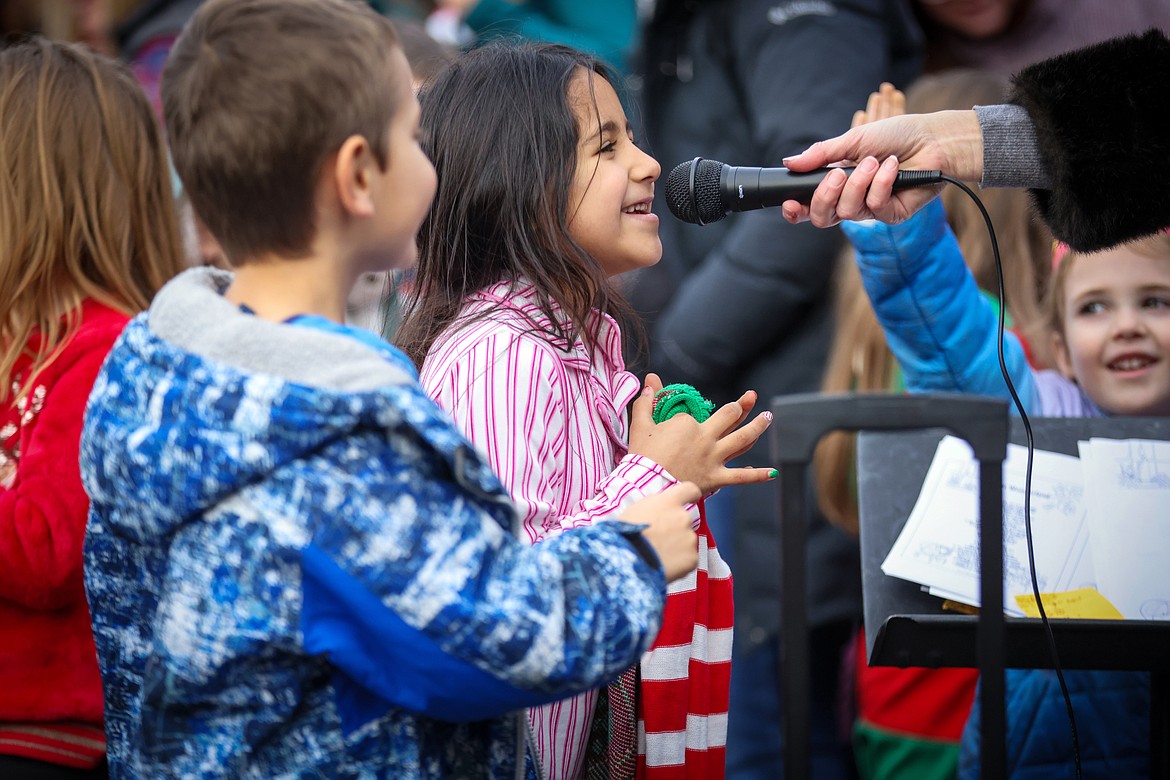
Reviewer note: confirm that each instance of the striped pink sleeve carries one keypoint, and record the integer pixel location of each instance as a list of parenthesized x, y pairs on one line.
[(511, 397), (508, 395)]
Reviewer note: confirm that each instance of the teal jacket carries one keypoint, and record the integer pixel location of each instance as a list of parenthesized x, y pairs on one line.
[(604, 28)]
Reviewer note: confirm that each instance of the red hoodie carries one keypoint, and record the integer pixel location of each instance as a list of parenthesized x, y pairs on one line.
[(50, 690)]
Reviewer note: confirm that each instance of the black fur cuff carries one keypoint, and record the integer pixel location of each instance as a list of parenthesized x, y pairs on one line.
[(1102, 117)]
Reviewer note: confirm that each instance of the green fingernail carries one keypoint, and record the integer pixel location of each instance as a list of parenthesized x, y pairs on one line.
[(773, 474)]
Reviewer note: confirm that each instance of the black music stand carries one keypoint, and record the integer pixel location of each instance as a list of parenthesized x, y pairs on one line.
[(907, 627), (799, 422)]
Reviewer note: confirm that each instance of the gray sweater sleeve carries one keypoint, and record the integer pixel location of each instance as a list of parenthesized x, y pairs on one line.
[(1098, 119), (1011, 155)]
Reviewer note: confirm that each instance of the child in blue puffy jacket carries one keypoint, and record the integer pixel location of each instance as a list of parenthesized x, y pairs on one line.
[(1110, 330)]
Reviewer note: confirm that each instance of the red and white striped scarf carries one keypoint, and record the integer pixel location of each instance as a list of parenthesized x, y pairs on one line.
[(686, 674)]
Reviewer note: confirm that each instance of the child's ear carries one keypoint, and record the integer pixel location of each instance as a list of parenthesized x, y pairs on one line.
[(1061, 355), (353, 176)]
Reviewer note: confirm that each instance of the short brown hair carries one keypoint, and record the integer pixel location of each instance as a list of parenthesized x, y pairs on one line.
[(257, 94)]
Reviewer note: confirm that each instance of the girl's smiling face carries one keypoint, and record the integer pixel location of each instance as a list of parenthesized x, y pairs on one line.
[(1116, 323), (613, 188)]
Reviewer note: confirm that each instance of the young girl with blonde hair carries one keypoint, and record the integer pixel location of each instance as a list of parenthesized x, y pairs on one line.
[(88, 234)]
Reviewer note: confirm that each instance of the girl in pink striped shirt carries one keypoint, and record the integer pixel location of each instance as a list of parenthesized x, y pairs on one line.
[(543, 198)]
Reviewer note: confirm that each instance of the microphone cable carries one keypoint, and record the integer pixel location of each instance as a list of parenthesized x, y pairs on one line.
[(1072, 721)]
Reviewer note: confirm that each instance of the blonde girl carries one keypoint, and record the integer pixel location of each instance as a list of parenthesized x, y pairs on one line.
[(87, 235)]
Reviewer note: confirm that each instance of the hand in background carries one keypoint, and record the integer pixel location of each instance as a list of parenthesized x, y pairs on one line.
[(698, 452), (886, 102), (669, 531)]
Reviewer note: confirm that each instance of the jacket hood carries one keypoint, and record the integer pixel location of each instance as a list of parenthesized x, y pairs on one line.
[(199, 400)]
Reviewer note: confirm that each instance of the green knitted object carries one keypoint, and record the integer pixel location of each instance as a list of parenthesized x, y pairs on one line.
[(681, 399)]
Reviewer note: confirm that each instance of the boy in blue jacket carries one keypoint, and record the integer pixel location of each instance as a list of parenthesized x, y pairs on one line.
[(295, 563)]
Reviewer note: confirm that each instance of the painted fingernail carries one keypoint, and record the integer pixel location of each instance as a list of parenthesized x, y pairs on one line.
[(768, 416), (773, 473)]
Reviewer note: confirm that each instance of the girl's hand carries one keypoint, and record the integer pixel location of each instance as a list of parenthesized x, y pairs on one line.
[(860, 195), (669, 531), (888, 101), (698, 452)]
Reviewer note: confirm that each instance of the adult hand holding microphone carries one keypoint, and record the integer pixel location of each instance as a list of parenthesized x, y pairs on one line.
[(949, 142), (1035, 141), (703, 191)]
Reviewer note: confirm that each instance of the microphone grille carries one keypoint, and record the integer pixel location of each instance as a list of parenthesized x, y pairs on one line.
[(704, 204)]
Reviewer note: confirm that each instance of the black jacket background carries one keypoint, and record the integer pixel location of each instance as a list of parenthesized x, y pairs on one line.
[(743, 303)]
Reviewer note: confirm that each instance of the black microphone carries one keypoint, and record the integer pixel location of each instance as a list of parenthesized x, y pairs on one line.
[(704, 191)]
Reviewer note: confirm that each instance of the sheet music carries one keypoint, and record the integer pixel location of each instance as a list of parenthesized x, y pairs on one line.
[(1127, 487), (939, 545)]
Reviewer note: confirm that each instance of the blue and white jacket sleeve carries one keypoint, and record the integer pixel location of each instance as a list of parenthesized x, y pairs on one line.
[(939, 326), (421, 597)]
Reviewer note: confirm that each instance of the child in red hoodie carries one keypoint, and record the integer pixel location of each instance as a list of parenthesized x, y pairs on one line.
[(87, 235)]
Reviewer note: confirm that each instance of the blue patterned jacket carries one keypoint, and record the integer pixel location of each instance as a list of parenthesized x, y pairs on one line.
[(296, 566)]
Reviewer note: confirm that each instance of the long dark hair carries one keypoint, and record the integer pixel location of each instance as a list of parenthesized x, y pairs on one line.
[(499, 126)]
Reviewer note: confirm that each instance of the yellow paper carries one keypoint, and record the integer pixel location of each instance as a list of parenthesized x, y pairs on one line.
[(1080, 603)]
